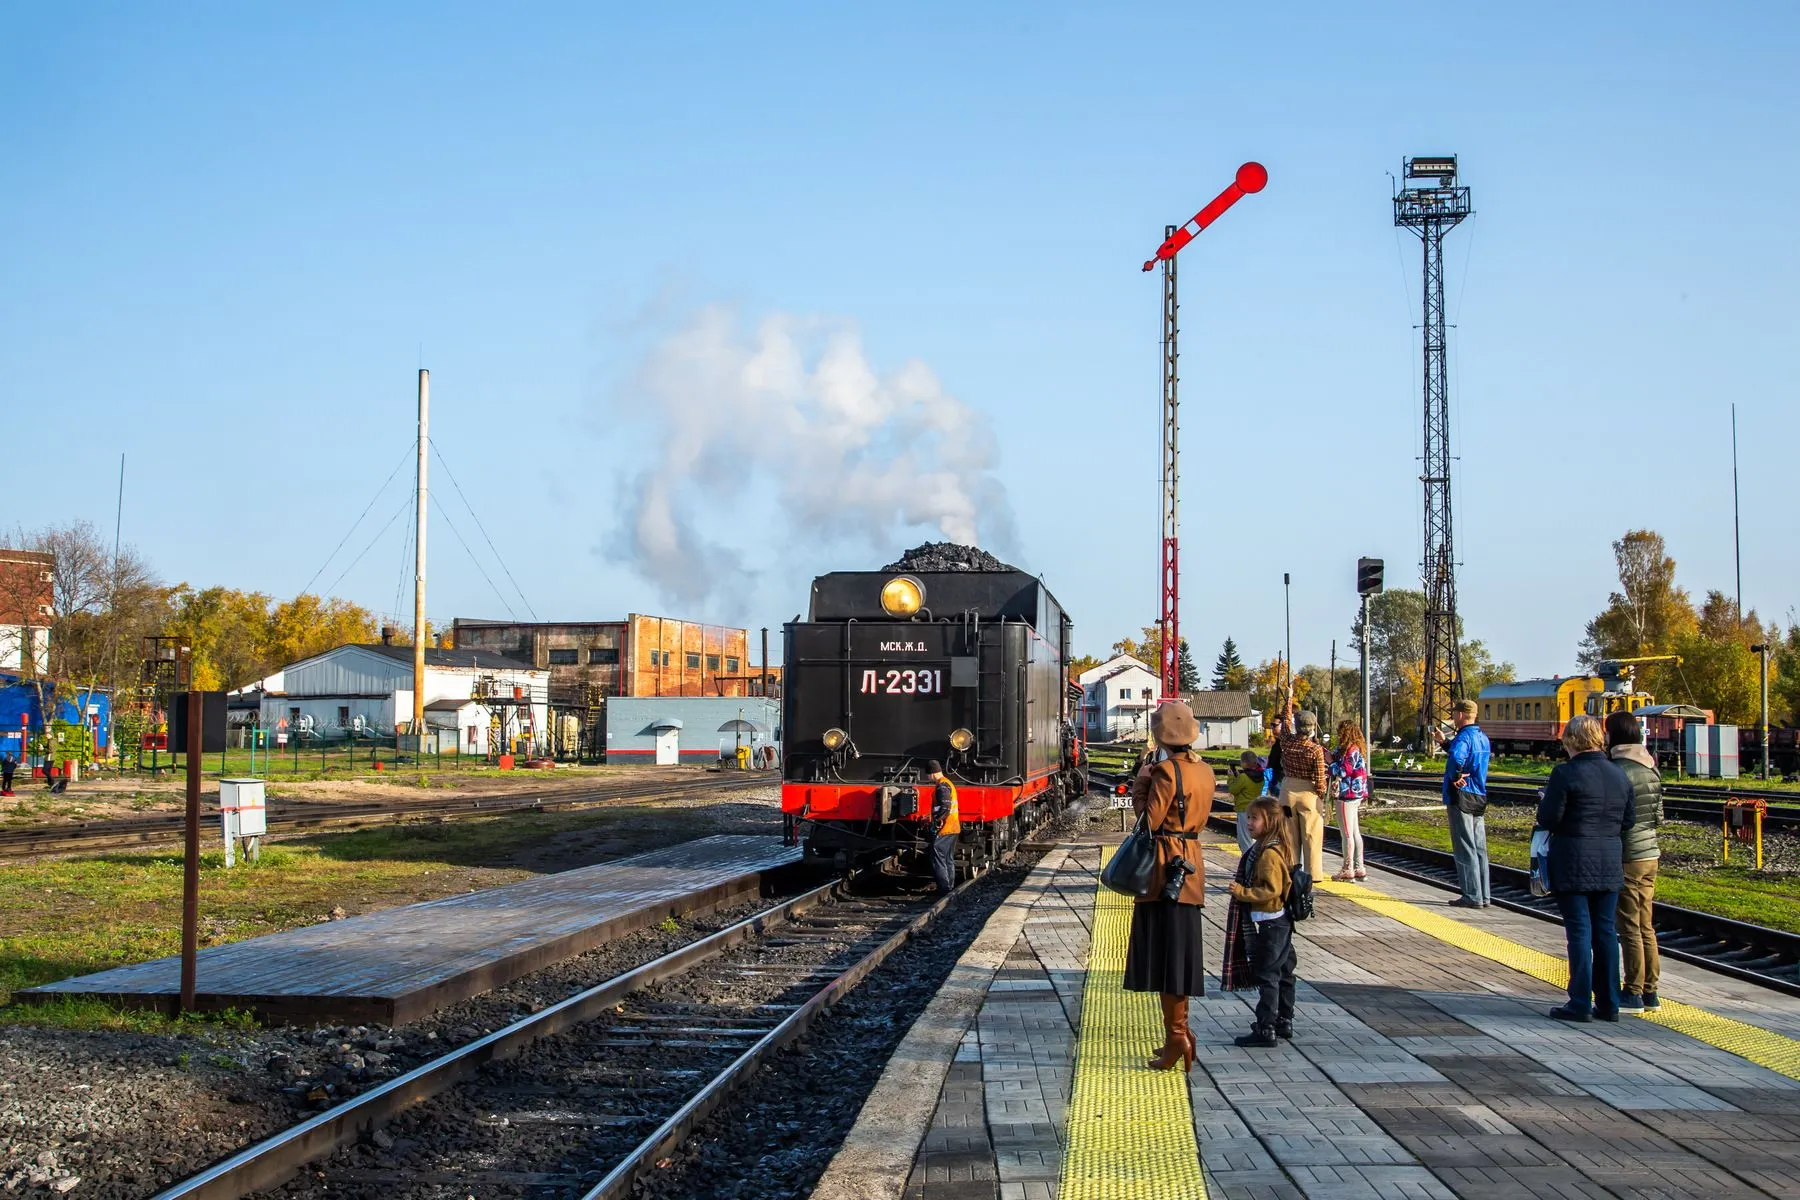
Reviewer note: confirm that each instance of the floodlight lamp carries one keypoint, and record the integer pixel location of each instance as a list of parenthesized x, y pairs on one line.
[(902, 596)]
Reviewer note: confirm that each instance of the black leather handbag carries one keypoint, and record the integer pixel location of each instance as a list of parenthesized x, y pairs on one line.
[(1129, 870), (1133, 865)]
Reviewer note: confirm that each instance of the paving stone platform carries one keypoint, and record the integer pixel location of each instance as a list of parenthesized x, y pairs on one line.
[(399, 964), (1420, 1069)]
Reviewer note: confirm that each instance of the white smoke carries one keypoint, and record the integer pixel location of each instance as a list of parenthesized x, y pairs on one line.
[(795, 409)]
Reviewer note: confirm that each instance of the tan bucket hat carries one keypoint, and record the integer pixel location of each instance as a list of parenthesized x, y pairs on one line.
[(1173, 724)]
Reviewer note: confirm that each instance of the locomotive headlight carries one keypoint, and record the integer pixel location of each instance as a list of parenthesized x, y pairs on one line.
[(834, 739), (902, 596), (961, 739)]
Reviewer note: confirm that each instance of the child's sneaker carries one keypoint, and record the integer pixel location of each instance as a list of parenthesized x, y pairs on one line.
[(1262, 1035)]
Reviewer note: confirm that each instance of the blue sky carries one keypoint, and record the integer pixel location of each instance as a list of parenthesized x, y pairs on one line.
[(232, 234)]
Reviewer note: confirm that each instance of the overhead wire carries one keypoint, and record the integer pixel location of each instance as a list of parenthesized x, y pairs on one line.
[(444, 513), (404, 505), (354, 524), (484, 533)]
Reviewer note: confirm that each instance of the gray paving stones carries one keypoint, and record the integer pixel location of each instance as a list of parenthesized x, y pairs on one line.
[(1418, 1071)]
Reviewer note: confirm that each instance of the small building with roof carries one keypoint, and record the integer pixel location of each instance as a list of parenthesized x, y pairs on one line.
[(1116, 699), (473, 698), (665, 730), (1226, 719)]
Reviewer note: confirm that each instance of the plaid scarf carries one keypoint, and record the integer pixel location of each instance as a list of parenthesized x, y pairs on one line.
[(1236, 975)]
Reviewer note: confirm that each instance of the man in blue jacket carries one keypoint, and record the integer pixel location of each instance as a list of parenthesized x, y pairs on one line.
[(1465, 788)]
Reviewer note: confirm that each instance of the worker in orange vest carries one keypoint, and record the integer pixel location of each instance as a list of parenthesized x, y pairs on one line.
[(948, 823)]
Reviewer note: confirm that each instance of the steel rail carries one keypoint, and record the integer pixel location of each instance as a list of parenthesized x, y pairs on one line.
[(37, 840), (276, 1158), (1702, 805), (619, 1181)]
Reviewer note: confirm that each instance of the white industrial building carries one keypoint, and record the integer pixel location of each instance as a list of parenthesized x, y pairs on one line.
[(1116, 699), (367, 690)]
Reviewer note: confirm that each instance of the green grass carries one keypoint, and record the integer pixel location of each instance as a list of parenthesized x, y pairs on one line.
[(73, 916), (339, 761), (1692, 873), (1513, 764)]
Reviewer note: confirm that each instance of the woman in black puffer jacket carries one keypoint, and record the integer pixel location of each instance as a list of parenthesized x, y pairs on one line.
[(1587, 808)]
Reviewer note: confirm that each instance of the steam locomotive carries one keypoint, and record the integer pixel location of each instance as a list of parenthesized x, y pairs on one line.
[(893, 669)]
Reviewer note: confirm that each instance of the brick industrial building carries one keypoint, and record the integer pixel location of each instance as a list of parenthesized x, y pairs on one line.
[(27, 607), (638, 656)]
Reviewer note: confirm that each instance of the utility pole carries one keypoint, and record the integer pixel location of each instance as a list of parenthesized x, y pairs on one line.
[(1287, 617), (1251, 177), (1331, 689), (1367, 732), (765, 662), (1368, 583), (1431, 204), (418, 705), (1737, 553), (190, 863), (1761, 650)]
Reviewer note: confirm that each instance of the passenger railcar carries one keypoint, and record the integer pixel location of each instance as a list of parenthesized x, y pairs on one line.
[(893, 669)]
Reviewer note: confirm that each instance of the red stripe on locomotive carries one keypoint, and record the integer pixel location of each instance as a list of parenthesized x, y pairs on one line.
[(857, 801)]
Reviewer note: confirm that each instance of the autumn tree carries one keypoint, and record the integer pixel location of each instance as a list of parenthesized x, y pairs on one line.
[(1784, 681), (1187, 675), (1081, 664), (1229, 672), (1397, 660), (1268, 694), (103, 604), (238, 637), (1648, 613), (1147, 651)]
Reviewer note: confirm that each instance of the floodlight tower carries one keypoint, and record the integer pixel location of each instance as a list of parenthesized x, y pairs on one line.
[(1251, 177), (1431, 204)]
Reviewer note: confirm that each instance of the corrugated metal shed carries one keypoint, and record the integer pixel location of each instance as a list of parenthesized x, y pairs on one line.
[(703, 723)]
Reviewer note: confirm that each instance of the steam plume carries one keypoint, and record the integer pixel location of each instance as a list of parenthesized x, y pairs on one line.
[(794, 408)]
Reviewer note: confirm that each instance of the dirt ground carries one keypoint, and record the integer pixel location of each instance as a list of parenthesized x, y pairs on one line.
[(119, 797)]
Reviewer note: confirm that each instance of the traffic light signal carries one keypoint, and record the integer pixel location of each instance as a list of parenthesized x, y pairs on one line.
[(1368, 576)]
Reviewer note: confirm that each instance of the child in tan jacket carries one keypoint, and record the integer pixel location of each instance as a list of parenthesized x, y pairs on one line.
[(1259, 933)]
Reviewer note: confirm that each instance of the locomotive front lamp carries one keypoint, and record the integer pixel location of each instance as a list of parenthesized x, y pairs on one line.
[(902, 596), (961, 739), (834, 739)]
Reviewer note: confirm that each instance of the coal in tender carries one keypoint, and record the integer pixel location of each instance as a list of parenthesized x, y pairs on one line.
[(948, 556)]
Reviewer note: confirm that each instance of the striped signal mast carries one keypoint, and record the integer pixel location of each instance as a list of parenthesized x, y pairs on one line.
[(1251, 177)]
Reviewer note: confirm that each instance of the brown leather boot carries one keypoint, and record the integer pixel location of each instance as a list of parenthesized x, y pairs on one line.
[(1188, 1046), (1174, 1047)]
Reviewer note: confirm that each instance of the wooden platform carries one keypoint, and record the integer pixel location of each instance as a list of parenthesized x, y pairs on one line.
[(401, 963)]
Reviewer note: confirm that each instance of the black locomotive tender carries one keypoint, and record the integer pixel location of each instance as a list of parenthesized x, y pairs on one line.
[(895, 668)]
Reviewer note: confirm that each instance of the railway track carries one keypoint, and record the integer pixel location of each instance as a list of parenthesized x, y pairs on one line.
[(589, 1093), (1753, 953), (1680, 802), (289, 818)]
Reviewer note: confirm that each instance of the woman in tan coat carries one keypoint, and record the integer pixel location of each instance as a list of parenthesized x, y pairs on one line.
[(1164, 955)]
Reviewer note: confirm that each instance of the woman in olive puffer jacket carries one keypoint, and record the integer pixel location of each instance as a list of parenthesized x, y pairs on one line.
[(1587, 807), (1637, 934)]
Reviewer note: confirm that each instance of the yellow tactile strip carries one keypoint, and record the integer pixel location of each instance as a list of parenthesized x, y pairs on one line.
[(1763, 1047), (1131, 1129)]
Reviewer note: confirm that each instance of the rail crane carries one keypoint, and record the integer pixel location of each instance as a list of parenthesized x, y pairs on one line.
[(1251, 177)]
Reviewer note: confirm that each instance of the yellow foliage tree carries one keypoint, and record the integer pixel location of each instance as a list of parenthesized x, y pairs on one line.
[(239, 637)]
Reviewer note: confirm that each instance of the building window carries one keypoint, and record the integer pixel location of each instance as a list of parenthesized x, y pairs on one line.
[(693, 662), (731, 665), (343, 716), (564, 658), (712, 663), (1124, 693), (603, 658), (656, 658)]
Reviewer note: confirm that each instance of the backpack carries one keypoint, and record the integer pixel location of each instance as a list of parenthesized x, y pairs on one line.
[(1300, 895)]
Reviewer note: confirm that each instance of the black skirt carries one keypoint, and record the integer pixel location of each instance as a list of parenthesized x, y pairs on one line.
[(1165, 952)]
